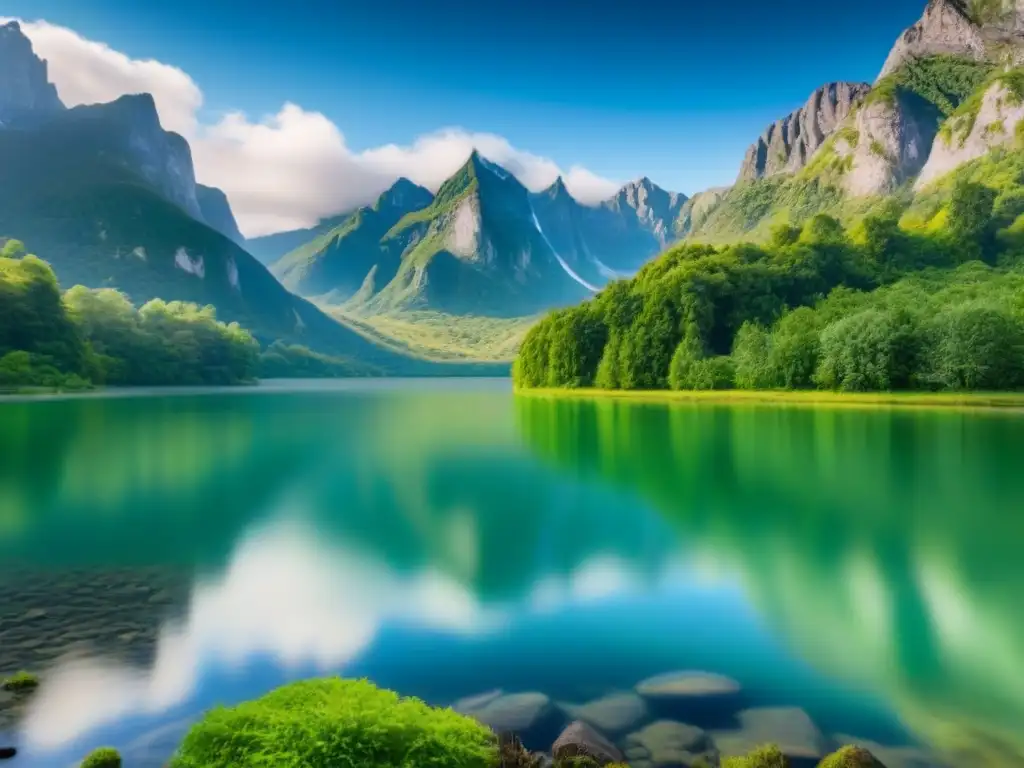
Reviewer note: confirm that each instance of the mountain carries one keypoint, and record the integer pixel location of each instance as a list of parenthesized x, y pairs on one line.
[(109, 198), (268, 249), (950, 91), (788, 143), (340, 260), (216, 211), (485, 245), (25, 88)]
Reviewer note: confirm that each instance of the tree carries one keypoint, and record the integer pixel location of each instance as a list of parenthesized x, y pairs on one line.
[(793, 355), (751, 357), (970, 220), (976, 346)]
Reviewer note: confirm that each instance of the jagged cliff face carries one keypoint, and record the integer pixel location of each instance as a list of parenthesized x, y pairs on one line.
[(945, 28), (216, 211), (789, 143), (894, 139), (655, 208), (967, 138), (25, 89)]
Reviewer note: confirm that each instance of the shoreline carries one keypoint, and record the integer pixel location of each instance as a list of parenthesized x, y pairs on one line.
[(1011, 401)]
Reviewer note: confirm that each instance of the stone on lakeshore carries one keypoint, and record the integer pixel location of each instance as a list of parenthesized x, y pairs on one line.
[(581, 740), (613, 714), (668, 743), (468, 703), (788, 727), (687, 684), (517, 712)]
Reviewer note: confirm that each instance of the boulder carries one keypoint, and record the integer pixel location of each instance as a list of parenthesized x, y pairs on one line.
[(6, 753), (789, 727), (614, 714), (581, 740), (687, 684), (471, 703), (528, 714), (668, 744)]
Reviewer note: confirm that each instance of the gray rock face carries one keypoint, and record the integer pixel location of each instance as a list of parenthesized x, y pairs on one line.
[(686, 685), (216, 211), (697, 209), (25, 88), (945, 28), (894, 141), (655, 208), (580, 740), (968, 140), (787, 144)]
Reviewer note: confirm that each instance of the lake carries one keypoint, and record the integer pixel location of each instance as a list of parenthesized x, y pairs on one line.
[(848, 573)]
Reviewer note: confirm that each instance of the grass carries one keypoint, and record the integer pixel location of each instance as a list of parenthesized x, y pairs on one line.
[(438, 336), (21, 682), (336, 722), (1010, 400)]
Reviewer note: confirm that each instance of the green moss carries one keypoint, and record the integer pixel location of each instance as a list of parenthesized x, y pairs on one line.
[(769, 756), (994, 129), (943, 81), (336, 722), (878, 150), (961, 121), (21, 682), (850, 757), (104, 757)]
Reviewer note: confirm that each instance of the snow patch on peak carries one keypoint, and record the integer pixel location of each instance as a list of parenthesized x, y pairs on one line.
[(565, 267), (494, 168), (186, 263)]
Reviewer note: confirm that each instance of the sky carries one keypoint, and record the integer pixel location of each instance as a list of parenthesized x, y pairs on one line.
[(301, 109)]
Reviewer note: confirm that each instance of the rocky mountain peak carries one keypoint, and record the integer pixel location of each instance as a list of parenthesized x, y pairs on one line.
[(787, 144), (946, 27), (406, 195), (25, 87)]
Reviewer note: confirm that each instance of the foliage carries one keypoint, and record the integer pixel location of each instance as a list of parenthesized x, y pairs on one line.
[(104, 757), (293, 361), (321, 723), (850, 757), (66, 342), (892, 304), (944, 81), (21, 681), (763, 757)]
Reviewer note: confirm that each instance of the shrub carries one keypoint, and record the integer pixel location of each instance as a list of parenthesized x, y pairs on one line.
[(850, 757), (104, 757), (976, 346), (768, 756), (335, 722), (21, 681)]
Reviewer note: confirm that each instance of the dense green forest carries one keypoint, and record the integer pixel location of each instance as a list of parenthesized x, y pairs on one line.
[(89, 337), (929, 296)]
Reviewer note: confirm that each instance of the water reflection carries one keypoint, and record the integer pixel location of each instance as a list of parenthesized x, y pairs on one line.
[(856, 564)]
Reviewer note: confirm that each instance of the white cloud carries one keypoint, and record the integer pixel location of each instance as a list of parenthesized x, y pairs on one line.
[(292, 168)]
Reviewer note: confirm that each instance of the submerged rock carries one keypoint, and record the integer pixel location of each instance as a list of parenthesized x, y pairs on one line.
[(580, 740), (687, 684), (612, 714), (789, 727), (470, 703), (519, 712), (668, 743)]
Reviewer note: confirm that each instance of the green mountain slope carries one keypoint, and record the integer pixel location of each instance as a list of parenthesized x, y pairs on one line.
[(269, 249), (342, 259), (71, 191)]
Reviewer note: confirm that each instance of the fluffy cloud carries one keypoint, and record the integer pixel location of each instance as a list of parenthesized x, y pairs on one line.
[(289, 169)]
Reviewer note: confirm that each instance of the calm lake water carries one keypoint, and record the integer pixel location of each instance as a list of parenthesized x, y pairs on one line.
[(163, 552)]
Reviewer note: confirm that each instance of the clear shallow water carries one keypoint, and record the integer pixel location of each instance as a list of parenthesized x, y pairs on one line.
[(160, 553)]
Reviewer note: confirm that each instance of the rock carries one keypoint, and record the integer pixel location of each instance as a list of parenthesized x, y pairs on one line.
[(580, 740), (687, 685), (945, 28), (612, 714), (216, 210), (894, 139), (469, 703), (969, 137), (698, 209), (789, 727), (518, 712), (6, 753), (787, 144), (668, 743), (851, 757), (25, 88)]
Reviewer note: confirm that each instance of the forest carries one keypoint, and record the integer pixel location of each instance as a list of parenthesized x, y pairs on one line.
[(925, 297), (83, 338)]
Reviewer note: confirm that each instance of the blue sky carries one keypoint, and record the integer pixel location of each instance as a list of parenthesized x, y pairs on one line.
[(672, 90)]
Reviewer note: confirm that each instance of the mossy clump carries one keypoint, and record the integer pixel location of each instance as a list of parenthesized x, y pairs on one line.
[(104, 757), (336, 722), (21, 682), (851, 757), (768, 756)]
